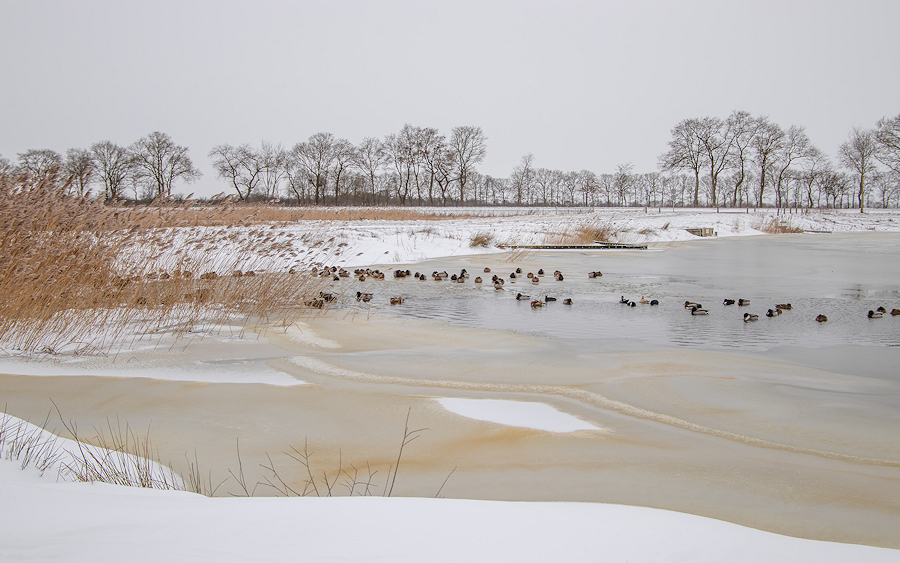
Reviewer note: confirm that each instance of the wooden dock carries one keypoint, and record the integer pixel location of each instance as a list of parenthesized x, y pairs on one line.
[(595, 246)]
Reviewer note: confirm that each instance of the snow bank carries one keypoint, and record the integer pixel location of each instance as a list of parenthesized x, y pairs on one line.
[(74, 522), (537, 416)]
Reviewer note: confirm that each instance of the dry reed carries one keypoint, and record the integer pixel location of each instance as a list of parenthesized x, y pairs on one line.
[(776, 226), (80, 276), (585, 233)]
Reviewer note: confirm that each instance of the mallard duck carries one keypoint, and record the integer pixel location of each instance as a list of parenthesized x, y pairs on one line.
[(698, 311), (743, 302), (559, 277), (773, 313), (487, 270), (518, 270), (535, 280), (549, 299), (784, 307), (478, 279), (654, 302), (728, 302), (530, 275), (821, 318), (691, 305), (396, 300), (895, 312), (498, 285), (512, 276), (567, 301), (595, 275), (749, 317), (327, 297), (521, 297), (881, 310), (875, 315), (540, 272), (366, 297)]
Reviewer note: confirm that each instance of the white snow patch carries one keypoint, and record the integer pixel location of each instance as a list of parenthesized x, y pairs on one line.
[(302, 333), (523, 414)]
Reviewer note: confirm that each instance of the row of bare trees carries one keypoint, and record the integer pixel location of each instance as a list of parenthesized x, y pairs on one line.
[(149, 167), (416, 165), (737, 161), (743, 156)]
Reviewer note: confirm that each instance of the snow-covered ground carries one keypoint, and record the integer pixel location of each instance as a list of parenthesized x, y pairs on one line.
[(365, 243), (48, 518)]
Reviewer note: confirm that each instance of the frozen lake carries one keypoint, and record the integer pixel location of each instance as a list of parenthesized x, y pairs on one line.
[(842, 276)]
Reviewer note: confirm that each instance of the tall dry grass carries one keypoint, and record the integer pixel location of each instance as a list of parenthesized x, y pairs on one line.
[(80, 276), (776, 226), (585, 233)]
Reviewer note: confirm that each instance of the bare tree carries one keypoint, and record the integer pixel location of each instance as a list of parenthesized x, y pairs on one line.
[(113, 164), (685, 152), (79, 169), (40, 165), (766, 143), (405, 158), (858, 154), (744, 128), (717, 138), (239, 165), (469, 147), (160, 162), (370, 159), (887, 133), (315, 157), (623, 181), (273, 164), (344, 154), (816, 163), (794, 146), (522, 177)]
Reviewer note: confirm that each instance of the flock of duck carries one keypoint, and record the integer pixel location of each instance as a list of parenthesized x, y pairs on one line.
[(498, 282)]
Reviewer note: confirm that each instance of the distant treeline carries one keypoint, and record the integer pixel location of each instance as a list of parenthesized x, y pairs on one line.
[(737, 161)]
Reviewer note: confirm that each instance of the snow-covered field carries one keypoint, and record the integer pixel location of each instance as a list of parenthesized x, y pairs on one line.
[(51, 518)]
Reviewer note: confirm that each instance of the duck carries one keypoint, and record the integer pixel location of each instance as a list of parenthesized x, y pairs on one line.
[(530, 275), (559, 277), (453, 277), (595, 275), (784, 307), (487, 270), (540, 272), (478, 279), (518, 270), (623, 301), (821, 319), (548, 299), (698, 311), (498, 285), (327, 297), (535, 280), (460, 279), (366, 297), (728, 302), (520, 297), (691, 305), (567, 301), (512, 276), (396, 300), (632, 304), (743, 302), (773, 313), (750, 317), (881, 310), (537, 303), (654, 302), (644, 300), (875, 314), (895, 312)]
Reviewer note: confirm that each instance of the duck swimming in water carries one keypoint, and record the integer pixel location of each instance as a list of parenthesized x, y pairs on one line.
[(875, 314), (750, 317), (773, 313), (728, 302), (821, 319), (365, 297), (698, 311), (881, 310), (654, 302), (644, 300), (521, 297), (567, 301), (743, 302), (784, 307), (549, 299), (396, 300), (895, 312), (691, 304)]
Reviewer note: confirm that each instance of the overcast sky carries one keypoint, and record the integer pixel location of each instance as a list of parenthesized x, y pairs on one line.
[(581, 85)]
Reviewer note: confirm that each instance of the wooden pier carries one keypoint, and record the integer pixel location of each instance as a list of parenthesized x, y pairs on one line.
[(595, 246)]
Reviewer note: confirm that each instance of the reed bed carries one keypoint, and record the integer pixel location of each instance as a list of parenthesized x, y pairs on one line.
[(776, 226), (585, 233), (83, 277)]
